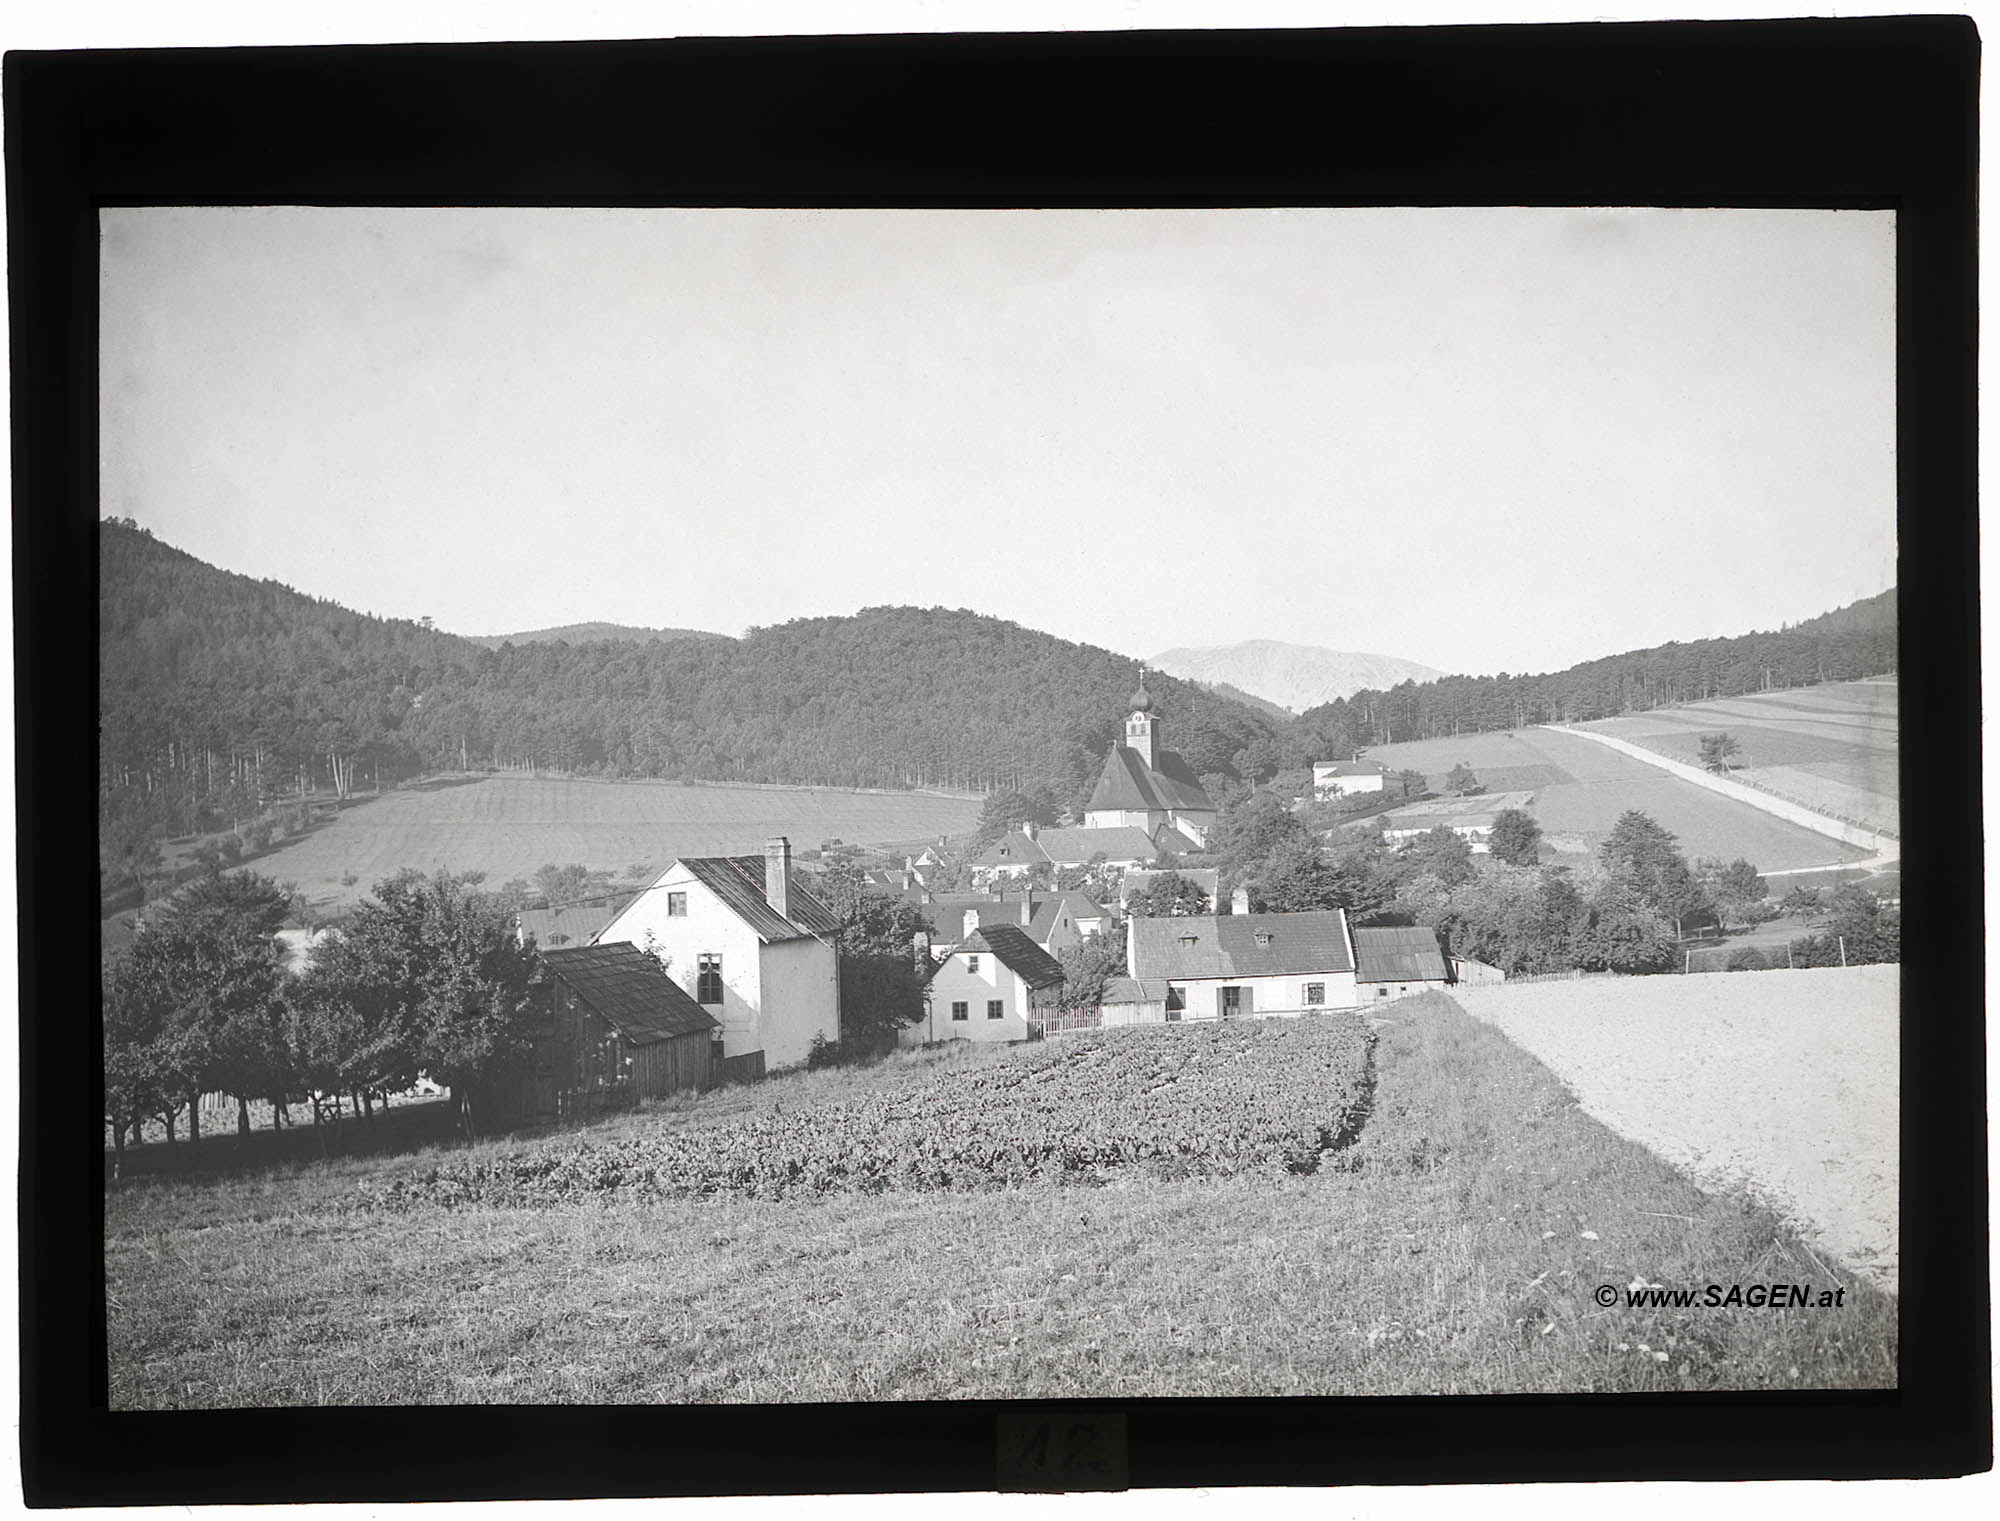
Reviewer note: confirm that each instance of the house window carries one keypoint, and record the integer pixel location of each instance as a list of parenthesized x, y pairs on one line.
[(1315, 993), (1263, 937), (1176, 1004), (961, 1011), (677, 905), (972, 965), (1232, 1002), (995, 1009), (1381, 992), (708, 981)]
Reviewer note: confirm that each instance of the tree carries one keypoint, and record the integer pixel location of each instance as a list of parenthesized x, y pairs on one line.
[(1733, 887), (1461, 782), (1413, 783), (1647, 859), (1088, 966), (1442, 852), (1298, 877), (1003, 812), (1246, 835), (1716, 750), (1516, 838), (425, 976), (1169, 895), (882, 986), (1802, 903), (1622, 932)]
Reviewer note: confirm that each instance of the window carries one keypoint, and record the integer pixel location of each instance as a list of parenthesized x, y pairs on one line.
[(1232, 1002), (1315, 993), (1381, 992), (995, 1009), (1176, 1004), (677, 905), (1263, 937), (961, 1011), (708, 981), (972, 965)]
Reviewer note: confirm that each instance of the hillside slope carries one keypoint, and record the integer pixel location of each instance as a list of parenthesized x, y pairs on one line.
[(590, 633), (1294, 676)]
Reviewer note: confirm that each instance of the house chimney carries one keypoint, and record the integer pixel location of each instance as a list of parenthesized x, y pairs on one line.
[(971, 922), (778, 876), (1029, 828), (1239, 901)]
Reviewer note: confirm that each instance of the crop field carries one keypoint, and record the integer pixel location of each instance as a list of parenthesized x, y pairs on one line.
[(1585, 786), (509, 826), (1832, 747), (1784, 1082), (1273, 1208)]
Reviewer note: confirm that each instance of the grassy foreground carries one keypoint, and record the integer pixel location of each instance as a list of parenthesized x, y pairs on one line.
[(1454, 1248)]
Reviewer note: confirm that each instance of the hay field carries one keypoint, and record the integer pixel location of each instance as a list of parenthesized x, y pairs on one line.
[(1832, 748), (508, 826), (1580, 789), (1784, 1083)]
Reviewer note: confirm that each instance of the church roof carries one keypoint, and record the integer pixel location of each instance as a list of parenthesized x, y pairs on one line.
[(1127, 782)]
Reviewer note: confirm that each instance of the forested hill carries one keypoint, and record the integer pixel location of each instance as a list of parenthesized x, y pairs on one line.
[(581, 633), (1850, 642), (206, 675)]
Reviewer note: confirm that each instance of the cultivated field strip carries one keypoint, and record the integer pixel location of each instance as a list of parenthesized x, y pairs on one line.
[(1785, 1082)]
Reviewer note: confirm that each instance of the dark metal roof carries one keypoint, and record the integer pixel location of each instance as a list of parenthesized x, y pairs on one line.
[(630, 990), (1013, 949), (1208, 945), (739, 882), (1399, 955)]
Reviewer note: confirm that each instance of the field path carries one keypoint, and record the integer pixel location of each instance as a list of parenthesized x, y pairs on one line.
[(1782, 1082), (1886, 847)]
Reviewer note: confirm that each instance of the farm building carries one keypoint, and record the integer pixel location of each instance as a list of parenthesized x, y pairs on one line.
[(1014, 854), (1347, 778), (1465, 970), (606, 1025), (571, 924), (752, 947), (1470, 818), (994, 986), (1242, 966), (1147, 787), (1393, 963), (1129, 1001)]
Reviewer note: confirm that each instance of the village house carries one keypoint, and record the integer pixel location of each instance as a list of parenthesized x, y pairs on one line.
[(1470, 818), (995, 985), (1244, 966), (570, 924), (751, 945), (1146, 787), (1053, 920), (605, 1024), (1347, 778), (1396, 962)]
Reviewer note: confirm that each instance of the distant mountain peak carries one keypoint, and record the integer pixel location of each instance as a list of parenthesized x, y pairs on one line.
[(1294, 676)]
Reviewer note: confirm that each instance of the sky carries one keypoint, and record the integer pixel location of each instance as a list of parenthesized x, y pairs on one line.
[(1482, 439)]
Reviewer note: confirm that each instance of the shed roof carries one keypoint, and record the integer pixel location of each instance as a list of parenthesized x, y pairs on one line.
[(630, 990), (1399, 955), (739, 882), (1011, 947), (575, 923), (1133, 990), (1241, 945)]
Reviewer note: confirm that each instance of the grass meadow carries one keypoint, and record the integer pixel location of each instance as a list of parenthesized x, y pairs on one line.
[(1832, 747), (1454, 1247), (509, 826), (1581, 787)]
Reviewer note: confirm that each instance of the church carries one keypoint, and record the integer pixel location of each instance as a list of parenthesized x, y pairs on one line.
[(1146, 786)]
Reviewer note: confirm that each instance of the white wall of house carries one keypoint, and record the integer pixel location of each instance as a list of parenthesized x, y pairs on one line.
[(1123, 818), (993, 982), (1326, 784), (1265, 996), (801, 987), (1389, 992), (1194, 825)]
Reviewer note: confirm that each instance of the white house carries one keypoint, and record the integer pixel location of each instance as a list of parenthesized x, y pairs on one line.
[(752, 946), (1146, 787), (995, 985), (1244, 966), (1346, 778)]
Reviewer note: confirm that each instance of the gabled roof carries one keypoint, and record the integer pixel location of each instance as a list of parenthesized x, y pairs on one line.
[(630, 990), (1014, 849), (1228, 945), (576, 923), (1075, 847), (1074, 906), (739, 882), (1011, 947), (1128, 783), (1399, 955)]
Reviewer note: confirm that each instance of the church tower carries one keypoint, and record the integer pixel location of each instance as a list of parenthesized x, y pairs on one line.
[(1142, 725)]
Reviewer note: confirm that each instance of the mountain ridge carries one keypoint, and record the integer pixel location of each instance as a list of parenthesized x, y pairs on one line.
[(591, 633), (1295, 677)]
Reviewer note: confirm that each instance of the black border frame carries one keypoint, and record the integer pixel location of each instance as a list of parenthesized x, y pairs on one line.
[(1848, 113)]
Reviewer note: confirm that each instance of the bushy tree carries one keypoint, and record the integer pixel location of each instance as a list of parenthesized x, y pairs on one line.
[(1461, 782), (1516, 838), (1716, 750), (1734, 887), (882, 987), (1859, 931), (1088, 966), (1169, 895), (1413, 783), (1441, 852), (1622, 932), (1009, 810), (1647, 859), (1803, 903)]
